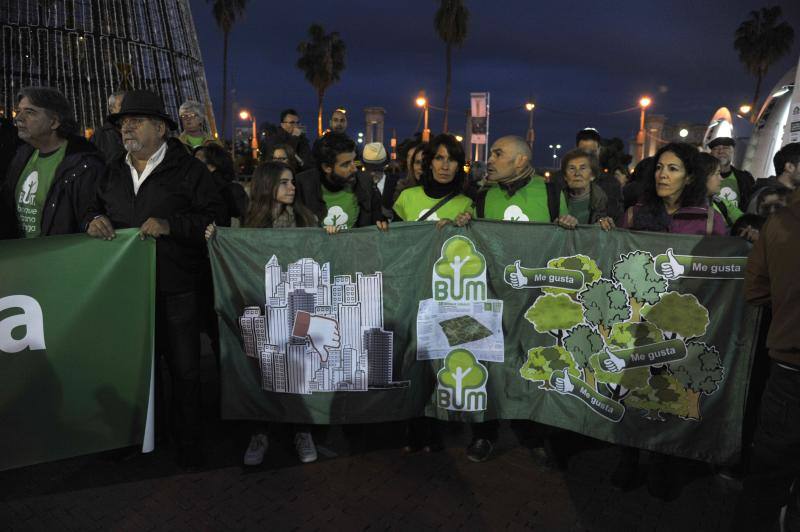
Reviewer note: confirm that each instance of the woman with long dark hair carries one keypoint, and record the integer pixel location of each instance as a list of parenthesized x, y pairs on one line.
[(413, 169), (273, 204), (675, 198)]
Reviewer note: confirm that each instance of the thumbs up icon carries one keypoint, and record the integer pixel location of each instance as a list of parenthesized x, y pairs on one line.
[(516, 278), (563, 385), (672, 269), (613, 363)]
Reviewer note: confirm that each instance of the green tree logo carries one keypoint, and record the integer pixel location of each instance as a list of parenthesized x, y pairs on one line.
[(462, 374), (460, 261)]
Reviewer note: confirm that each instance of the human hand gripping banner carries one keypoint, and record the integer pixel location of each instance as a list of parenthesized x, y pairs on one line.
[(76, 345), (640, 339)]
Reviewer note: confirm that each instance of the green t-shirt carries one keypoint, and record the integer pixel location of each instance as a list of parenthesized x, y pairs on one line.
[(580, 208), (528, 204), (413, 203), (193, 141), (342, 208), (733, 212), (32, 188), (729, 189)]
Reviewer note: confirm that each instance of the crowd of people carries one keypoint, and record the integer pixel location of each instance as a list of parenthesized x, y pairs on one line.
[(137, 173)]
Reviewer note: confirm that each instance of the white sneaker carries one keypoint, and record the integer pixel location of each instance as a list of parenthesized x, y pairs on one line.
[(254, 454), (306, 451)]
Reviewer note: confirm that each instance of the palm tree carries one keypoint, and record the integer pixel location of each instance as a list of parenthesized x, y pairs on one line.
[(226, 13), (451, 25), (322, 61), (761, 40)]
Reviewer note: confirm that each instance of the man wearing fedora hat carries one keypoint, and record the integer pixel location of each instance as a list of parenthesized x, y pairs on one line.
[(50, 182), (159, 188), (737, 185)]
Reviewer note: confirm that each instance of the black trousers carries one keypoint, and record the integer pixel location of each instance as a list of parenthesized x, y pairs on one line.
[(178, 341), (775, 462)]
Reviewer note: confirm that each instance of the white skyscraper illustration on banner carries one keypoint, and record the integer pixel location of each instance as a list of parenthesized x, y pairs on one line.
[(358, 354)]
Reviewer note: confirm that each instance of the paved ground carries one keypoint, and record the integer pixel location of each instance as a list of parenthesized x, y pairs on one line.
[(379, 489)]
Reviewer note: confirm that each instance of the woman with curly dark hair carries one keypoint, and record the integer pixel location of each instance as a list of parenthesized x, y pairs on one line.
[(675, 199)]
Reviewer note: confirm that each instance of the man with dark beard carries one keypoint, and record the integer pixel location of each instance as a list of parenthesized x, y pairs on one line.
[(334, 191)]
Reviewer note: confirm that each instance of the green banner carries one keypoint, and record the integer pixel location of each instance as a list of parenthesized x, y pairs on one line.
[(584, 330), (76, 344)]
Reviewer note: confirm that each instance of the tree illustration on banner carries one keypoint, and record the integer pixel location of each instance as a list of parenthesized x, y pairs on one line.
[(678, 315), (581, 263), (554, 315), (623, 341), (636, 273)]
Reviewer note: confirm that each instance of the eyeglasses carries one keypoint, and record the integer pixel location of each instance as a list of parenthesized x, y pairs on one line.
[(189, 116), (291, 122), (132, 122)]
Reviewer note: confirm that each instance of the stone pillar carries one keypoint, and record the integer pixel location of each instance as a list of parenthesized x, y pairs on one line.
[(374, 119)]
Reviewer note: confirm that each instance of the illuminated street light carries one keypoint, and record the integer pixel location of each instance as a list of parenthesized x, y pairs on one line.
[(683, 133), (745, 108), (644, 103), (459, 138), (555, 148), (244, 114), (530, 106), (422, 101)]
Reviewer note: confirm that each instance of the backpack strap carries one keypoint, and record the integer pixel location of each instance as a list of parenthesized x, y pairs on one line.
[(709, 220), (553, 200), (723, 209), (480, 203), (441, 202)]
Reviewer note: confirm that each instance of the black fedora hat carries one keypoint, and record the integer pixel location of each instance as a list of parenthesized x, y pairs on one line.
[(142, 103)]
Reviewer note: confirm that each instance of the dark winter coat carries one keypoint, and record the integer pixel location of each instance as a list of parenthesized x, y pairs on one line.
[(109, 141), (70, 194), (746, 183), (180, 190), (299, 144)]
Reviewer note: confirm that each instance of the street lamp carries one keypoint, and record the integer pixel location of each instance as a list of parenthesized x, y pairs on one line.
[(644, 103), (244, 114), (530, 106), (422, 102), (683, 133), (555, 148)]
